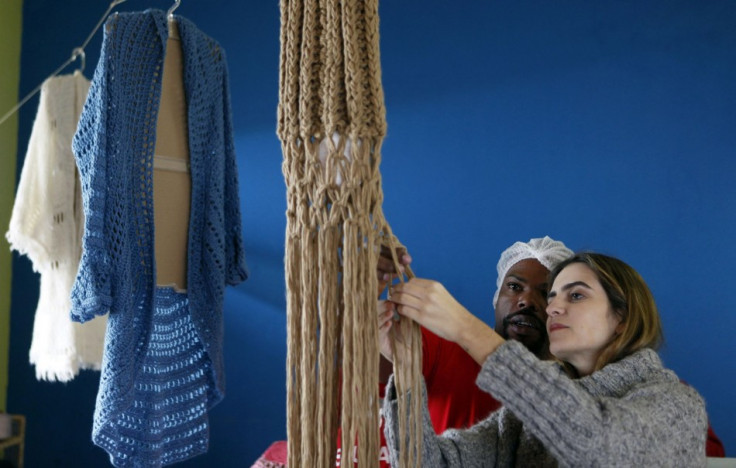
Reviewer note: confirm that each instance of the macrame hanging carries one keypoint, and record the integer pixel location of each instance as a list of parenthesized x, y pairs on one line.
[(331, 126)]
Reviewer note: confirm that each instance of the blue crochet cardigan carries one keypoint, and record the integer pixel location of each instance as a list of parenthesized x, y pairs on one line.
[(114, 147)]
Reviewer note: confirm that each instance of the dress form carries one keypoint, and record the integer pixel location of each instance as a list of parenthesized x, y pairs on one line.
[(171, 176)]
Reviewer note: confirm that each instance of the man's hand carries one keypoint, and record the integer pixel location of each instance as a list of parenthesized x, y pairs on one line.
[(386, 269)]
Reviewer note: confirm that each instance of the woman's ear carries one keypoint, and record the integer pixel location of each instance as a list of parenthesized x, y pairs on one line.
[(620, 327)]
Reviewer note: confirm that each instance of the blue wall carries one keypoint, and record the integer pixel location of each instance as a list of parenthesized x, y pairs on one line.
[(609, 125)]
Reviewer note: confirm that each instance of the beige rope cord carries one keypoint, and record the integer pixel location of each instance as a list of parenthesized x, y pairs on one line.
[(331, 123)]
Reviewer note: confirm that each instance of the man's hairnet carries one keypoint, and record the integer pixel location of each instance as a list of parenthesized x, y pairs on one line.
[(547, 251)]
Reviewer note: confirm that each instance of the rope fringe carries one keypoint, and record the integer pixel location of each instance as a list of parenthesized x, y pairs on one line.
[(331, 123)]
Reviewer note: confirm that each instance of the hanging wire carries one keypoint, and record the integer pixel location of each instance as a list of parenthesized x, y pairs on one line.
[(78, 52)]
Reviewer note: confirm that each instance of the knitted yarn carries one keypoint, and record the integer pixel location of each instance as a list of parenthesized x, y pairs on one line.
[(331, 123), (165, 420), (114, 146), (633, 412)]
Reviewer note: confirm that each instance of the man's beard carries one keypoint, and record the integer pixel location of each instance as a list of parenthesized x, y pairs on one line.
[(527, 329)]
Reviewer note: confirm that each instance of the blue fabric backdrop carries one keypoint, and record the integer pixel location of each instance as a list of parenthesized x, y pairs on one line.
[(608, 125)]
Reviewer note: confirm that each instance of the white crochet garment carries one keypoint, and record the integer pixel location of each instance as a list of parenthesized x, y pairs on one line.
[(46, 225)]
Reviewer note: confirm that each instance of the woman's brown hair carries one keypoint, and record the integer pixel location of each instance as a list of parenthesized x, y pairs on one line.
[(630, 299)]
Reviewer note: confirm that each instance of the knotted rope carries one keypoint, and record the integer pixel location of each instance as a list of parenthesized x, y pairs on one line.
[(331, 123)]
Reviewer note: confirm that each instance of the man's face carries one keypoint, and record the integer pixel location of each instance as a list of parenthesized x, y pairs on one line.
[(520, 310)]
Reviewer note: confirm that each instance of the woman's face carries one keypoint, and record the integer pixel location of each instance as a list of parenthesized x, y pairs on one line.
[(580, 319)]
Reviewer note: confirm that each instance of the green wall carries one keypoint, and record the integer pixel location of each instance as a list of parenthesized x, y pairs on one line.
[(10, 35)]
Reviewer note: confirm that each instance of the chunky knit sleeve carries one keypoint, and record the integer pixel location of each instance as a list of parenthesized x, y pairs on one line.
[(91, 293), (236, 266), (631, 413), (488, 443)]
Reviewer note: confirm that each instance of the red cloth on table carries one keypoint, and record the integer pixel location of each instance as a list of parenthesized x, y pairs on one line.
[(275, 456)]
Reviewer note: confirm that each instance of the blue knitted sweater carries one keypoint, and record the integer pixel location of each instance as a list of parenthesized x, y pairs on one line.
[(114, 147)]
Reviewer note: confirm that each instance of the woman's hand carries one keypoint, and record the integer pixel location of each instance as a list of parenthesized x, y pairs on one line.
[(385, 314), (388, 329), (399, 332), (428, 303)]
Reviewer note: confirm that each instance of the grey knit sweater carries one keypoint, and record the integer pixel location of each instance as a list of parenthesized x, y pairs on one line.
[(631, 413)]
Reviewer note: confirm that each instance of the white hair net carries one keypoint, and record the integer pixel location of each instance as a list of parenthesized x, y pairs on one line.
[(547, 251)]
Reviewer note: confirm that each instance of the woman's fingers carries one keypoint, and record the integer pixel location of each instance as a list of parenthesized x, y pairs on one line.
[(428, 303), (385, 313), (385, 316), (414, 297), (416, 287)]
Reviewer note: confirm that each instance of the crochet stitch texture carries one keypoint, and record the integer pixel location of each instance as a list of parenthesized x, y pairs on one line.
[(114, 146)]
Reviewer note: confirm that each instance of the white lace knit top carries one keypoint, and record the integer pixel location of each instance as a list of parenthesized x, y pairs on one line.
[(46, 225)]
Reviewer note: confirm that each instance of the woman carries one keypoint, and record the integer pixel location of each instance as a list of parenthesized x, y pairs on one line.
[(607, 401)]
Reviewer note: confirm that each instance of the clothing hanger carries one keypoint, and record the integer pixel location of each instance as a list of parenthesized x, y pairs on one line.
[(170, 13), (170, 17), (77, 53)]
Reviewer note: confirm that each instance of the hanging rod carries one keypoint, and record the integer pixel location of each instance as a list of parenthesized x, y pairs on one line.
[(78, 52)]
